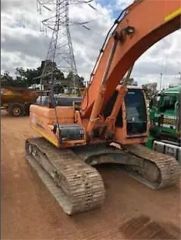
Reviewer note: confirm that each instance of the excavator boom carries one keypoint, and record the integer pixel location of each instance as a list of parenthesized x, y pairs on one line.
[(139, 26)]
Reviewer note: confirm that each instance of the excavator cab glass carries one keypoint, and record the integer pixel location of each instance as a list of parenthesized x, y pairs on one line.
[(135, 112)]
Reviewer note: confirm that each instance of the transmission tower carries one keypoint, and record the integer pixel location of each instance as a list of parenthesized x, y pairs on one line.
[(60, 52)]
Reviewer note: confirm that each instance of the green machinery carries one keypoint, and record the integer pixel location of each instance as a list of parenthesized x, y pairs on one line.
[(165, 122)]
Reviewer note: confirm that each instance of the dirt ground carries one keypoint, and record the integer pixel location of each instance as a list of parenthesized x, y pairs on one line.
[(130, 211)]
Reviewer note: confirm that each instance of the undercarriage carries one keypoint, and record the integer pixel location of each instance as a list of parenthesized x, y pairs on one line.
[(78, 187)]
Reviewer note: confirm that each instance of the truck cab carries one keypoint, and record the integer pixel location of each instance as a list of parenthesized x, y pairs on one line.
[(165, 120)]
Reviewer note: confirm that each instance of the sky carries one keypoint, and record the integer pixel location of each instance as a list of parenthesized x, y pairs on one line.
[(24, 45)]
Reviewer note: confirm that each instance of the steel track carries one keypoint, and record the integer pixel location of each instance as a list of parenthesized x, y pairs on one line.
[(169, 169), (76, 186), (153, 169)]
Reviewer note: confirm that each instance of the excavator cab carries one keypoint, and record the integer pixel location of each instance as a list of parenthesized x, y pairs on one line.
[(131, 124)]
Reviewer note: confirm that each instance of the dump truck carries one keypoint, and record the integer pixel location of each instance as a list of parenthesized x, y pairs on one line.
[(17, 101), (165, 122)]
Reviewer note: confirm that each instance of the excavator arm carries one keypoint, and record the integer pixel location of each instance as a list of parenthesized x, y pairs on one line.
[(138, 27)]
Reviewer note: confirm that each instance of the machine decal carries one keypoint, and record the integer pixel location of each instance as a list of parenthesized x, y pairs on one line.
[(169, 121), (173, 15)]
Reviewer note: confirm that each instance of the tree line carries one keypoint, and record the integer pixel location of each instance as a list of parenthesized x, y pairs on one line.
[(27, 77)]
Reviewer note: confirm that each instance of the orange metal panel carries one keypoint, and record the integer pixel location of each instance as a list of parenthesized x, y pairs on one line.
[(43, 119), (64, 115)]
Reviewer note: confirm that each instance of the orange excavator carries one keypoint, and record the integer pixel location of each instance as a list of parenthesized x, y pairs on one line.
[(110, 123)]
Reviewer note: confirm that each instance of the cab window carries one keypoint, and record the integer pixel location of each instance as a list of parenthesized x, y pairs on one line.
[(168, 103)]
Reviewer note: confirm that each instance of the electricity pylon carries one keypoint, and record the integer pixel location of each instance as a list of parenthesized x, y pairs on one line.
[(60, 51)]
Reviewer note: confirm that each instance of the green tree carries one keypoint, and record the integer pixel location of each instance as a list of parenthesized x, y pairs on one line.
[(27, 77), (150, 90), (75, 79), (8, 81)]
